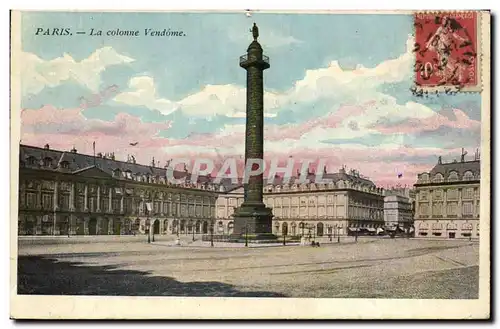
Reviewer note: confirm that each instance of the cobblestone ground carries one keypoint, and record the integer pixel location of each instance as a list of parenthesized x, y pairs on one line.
[(370, 268)]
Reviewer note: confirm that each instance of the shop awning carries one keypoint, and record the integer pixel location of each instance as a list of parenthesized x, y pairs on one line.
[(353, 229), (371, 229)]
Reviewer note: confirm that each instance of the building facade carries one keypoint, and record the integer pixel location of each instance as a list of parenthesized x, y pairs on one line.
[(346, 205), (448, 200), (398, 211), (67, 193)]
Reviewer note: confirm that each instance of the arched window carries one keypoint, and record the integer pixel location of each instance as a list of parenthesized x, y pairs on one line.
[(220, 227), (284, 228), (47, 161), (31, 160), (424, 178), (319, 229), (230, 227), (453, 176), (277, 227), (438, 178), (340, 184), (468, 175)]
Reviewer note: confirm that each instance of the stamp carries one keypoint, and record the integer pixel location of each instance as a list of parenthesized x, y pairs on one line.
[(447, 52), (234, 165)]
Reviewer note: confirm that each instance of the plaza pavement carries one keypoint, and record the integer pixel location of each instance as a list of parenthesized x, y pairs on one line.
[(370, 268)]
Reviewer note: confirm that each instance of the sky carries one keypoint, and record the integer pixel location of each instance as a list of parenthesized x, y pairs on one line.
[(338, 89)]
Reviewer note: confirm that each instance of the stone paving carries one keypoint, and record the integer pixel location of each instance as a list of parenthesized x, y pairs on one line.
[(370, 268)]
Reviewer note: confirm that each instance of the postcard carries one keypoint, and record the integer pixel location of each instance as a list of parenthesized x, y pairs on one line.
[(250, 164)]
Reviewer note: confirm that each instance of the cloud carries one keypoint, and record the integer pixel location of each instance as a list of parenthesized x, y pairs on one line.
[(37, 73), (143, 93), (459, 120), (64, 128), (331, 113), (210, 101)]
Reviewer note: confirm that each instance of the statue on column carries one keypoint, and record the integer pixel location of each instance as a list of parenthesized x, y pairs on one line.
[(255, 32)]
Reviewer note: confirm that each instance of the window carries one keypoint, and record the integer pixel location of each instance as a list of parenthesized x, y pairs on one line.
[(31, 160), (424, 178), (468, 193), (451, 209), (65, 164), (438, 178), (47, 162), (424, 209), (437, 209), (452, 194), (47, 201), (116, 205), (438, 194), (453, 176), (424, 196), (467, 209), (64, 201), (468, 175), (30, 200)]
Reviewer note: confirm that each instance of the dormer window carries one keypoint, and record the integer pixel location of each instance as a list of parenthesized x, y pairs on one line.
[(31, 160), (116, 173), (453, 177), (468, 175), (438, 178), (47, 161), (64, 164)]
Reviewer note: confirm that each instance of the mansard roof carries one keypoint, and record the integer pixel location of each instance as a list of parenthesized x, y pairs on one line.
[(460, 167)]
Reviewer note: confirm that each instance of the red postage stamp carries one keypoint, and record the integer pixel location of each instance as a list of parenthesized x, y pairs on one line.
[(446, 51)]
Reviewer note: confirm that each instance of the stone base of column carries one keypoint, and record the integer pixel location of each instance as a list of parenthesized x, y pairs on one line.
[(253, 221)]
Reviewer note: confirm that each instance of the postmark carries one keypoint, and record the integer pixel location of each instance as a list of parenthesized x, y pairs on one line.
[(446, 52)]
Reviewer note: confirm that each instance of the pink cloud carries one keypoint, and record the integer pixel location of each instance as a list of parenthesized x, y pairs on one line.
[(64, 128), (460, 121)]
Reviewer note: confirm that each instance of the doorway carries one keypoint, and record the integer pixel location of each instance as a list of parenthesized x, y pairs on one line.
[(451, 235), (156, 227), (93, 226)]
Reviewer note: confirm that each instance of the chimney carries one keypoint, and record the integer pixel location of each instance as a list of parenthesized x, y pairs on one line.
[(47, 147), (73, 150), (99, 155)]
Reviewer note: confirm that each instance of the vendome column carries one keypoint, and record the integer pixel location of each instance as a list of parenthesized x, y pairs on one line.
[(253, 218)]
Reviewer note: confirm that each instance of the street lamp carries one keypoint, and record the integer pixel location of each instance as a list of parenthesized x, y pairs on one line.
[(285, 231), (211, 232), (192, 226), (147, 230)]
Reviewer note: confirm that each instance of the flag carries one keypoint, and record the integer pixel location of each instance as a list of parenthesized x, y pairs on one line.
[(400, 175)]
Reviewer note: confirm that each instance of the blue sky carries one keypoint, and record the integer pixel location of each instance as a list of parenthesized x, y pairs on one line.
[(193, 82)]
